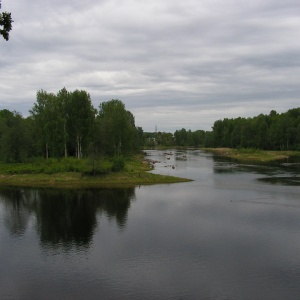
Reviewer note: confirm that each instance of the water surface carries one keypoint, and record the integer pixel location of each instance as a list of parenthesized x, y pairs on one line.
[(232, 233)]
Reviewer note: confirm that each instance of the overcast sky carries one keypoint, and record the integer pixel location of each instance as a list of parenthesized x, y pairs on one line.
[(173, 63)]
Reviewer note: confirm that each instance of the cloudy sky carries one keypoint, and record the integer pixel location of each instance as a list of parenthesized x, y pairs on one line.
[(173, 63)]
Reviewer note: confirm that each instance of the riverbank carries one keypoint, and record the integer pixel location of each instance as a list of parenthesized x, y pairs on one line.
[(134, 173), (253, 154)]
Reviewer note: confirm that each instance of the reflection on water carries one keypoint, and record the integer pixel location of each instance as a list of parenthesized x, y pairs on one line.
[(275, 173), (18, 209), (288, 180), (227, 234), (64, 217), (196, 165)]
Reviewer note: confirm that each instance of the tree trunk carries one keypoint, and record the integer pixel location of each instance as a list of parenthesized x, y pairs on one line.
[(78, 146)]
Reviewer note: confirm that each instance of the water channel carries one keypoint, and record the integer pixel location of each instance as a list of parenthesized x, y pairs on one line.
[(231, 233)]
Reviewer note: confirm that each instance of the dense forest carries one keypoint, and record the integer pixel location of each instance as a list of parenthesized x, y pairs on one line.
[(67, 124), (274, 131)]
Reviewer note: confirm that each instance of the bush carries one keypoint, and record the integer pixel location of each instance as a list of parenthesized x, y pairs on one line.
[(41, 165), (118, 164)]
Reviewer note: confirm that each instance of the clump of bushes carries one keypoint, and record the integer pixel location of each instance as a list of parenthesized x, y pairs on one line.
[(118, 164), (41, 165), (52, 166)]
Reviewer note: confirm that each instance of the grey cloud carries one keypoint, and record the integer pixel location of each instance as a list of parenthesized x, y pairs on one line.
[(191, 63)]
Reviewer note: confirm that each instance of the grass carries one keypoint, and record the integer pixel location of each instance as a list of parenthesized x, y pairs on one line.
[(253, 154), (74, 173)]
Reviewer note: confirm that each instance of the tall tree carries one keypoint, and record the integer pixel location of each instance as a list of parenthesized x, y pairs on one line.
[(14, 137), (42, 117), (80, 119), (118, 126), (47, 116), (63, 99)]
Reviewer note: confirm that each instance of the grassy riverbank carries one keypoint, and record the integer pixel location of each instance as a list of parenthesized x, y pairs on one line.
[(72, 173), (253, 154)]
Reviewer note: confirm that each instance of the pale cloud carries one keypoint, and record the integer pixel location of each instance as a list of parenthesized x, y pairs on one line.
[(174, 64)]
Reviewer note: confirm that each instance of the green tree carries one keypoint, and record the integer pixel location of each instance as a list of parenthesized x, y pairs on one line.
[(14, 137), (274, 131), (218, 133), (261, 128), (63, 122), (63, 99), (198, 138), (165, 139), (44, 115), (149, 139), (80, 119), (180, 137), (140, 138), (5, 24), (118, 128)]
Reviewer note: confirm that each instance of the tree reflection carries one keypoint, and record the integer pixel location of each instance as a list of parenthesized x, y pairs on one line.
[(18, 207), (64, 217), (115, 204)]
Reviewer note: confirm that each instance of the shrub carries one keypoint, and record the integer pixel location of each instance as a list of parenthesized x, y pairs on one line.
[(118, 164)]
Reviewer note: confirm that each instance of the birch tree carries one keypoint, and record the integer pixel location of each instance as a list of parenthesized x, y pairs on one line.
[(42, 118), (81, 115), (119, 127), (63, 98)]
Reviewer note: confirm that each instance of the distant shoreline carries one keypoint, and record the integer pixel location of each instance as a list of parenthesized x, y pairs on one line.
[(253, 154)]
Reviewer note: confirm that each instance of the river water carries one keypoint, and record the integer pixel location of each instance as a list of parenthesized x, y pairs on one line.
[(231, 233)]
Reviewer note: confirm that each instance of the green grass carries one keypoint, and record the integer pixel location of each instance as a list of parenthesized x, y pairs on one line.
[(253, 154), (75, 173)]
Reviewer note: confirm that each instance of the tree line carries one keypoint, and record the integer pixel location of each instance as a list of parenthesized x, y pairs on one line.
[(275, 131), (66, 124)]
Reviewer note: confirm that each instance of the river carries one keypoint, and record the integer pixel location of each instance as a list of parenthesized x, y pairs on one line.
[(231, 233)]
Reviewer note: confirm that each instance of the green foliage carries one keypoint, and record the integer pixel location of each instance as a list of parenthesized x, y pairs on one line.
[(81, 115), (66, 124), (249, 150), (54, 166), (188, 138), (70, 164), (41, 165), (117, 129), (5, 24), (49, 166), (97, 165), (164, 139), (15, 139), (63, 122), (268, 132), (118, 164)]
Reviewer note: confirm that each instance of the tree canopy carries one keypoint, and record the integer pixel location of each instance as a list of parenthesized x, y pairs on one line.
[(268, 132), (66, 124)]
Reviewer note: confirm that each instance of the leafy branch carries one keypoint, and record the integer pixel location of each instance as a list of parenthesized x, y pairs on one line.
[(5, 24)]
